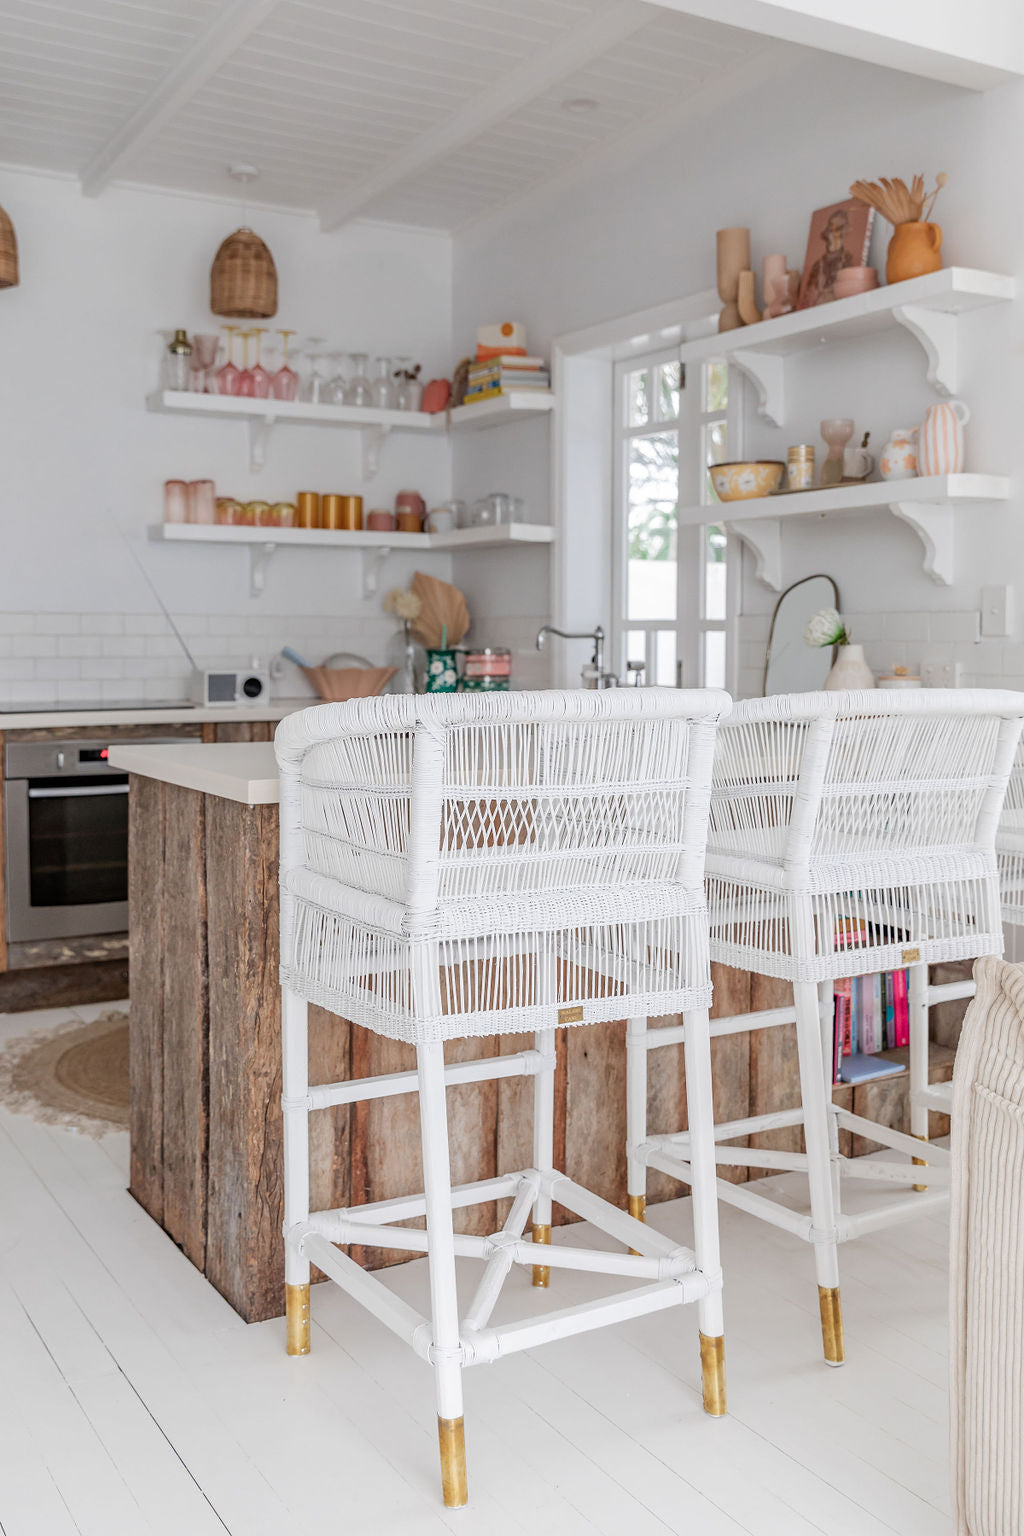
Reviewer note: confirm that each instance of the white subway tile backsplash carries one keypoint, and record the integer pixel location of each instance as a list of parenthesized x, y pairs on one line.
[(102, 624), (124, 645), (17, 623), (34, 645), (57, 667), (79, 645)]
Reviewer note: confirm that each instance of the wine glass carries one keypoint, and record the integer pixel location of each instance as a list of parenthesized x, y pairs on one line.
[(204, 355), (284, 384), (337, 383), (357, 390), (245, 379), (227, 376), (315, 391), (259, 375), (382, 393)]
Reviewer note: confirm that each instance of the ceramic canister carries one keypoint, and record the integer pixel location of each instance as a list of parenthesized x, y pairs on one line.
[(940, 449), (899, 456)]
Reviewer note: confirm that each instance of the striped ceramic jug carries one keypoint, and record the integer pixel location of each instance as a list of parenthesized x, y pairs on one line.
[(940, 449)]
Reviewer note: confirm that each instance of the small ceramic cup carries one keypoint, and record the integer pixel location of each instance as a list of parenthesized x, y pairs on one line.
[(409, 522), (441, 520), (380, 521)]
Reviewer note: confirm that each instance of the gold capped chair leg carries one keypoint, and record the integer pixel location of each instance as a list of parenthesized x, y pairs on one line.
[(920, 1162), (831, 1324), (638, 1210), (541, 1234), (451, 1436), (297, 1318), (712, 1371)]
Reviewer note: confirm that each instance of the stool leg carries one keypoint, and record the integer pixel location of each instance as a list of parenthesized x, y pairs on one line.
[(543, 1143), (295, 1086), (700, 1116), (918, 1008), (444, 1305), (636, 1117), (817, 1112)]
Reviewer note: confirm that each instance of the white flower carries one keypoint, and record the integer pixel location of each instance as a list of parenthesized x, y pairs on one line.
[(825, 628)]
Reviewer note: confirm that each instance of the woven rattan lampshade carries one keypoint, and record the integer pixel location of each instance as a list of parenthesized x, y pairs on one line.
[(243, 278), (8, 253)]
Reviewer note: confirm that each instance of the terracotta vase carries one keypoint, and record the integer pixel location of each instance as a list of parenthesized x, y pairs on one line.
[(915, 248), (733, 253), (850, 670)]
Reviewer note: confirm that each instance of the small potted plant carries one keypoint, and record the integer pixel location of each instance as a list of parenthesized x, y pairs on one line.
[(849, 670)]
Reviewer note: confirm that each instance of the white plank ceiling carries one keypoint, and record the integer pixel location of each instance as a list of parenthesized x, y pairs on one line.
[(427, 112)]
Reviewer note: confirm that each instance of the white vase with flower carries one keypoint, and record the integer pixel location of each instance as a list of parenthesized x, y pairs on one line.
[(849, 670)]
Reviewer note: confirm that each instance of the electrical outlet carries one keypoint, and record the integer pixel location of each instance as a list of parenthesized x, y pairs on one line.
[(940, 674)]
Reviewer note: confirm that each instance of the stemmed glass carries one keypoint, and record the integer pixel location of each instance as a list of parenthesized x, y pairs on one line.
[(382, 391), (259, 375), (357, 391), (204, 355), (337, 383), (228, 376), (245, 380), (284, 384), (315, 391)]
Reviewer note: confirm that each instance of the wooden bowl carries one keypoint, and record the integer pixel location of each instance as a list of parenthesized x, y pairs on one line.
[(338, 683), (745, 479)]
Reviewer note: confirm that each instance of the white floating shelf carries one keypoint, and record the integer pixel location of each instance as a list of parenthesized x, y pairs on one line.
[(928, 307), (926, 503), (261, 416), (514, 404), (263, 543)]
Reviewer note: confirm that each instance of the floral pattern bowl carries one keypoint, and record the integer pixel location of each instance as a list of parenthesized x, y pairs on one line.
[(747, 478)]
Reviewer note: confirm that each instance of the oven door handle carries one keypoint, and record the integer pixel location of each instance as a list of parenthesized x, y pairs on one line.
[(77, 793)]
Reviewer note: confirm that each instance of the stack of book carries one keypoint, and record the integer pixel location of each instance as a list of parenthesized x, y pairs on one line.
[(503, 371), (871, 1014)]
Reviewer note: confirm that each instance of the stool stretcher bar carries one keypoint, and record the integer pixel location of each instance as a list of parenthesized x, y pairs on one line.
[(734, 1024), (482, 1070), (740, 1195), (405, 1207)]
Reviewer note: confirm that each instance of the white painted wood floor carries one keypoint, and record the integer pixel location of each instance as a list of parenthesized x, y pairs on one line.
[(136, 1402)]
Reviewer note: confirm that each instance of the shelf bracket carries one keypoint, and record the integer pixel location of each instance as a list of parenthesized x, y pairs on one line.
[(372, 437), (260, 556), (259, 437), (763, 536), (767, 373), (373, 559), (933, 524), (936, 330)]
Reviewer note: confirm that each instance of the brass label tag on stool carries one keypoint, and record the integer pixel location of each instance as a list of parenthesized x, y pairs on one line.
[(911, 956), (571, 1015)]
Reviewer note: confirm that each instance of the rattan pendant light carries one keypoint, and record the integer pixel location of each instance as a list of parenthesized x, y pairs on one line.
[(243, 278), (8, 253)]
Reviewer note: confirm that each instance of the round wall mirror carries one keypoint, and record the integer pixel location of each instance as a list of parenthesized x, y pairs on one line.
[(790, 666)]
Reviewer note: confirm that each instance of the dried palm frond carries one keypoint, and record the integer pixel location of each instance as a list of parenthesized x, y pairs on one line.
[(443, 617), (897, 202)]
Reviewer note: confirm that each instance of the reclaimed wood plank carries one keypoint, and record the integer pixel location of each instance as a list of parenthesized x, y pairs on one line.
[(330, 1166), (244, 730), (185, 1022), (3, 868), (887, 1099), (774, 1069), (145, 1052), (244, 1252), (595, 1115)]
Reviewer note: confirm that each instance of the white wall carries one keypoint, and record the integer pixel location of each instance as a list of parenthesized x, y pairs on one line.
[(100, 280), (639, 230)]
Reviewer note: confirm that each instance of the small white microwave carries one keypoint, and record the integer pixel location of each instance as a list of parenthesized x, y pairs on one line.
[(246, 687)]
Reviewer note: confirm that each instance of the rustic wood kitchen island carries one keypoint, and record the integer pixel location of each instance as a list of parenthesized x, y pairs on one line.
[(206, 1135)]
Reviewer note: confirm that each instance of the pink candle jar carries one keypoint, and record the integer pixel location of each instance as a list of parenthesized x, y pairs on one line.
[(380, 521)]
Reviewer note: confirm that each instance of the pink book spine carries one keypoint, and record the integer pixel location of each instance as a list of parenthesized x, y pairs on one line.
[(902, 1009)]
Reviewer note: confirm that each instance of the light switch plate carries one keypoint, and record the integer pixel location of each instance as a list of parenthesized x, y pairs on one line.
[(996, 611), (940, 674)]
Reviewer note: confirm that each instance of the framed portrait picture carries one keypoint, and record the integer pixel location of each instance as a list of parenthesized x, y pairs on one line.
[(839, 237)]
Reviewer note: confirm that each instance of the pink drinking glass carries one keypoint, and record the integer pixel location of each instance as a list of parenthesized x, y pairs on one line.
[(228, 376), (260, 376), (204, 355), (175, 501), (284, 385), (245, 378), (202, 501)]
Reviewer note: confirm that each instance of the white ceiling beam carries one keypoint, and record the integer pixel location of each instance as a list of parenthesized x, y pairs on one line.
[(975, 46), (231, 25), (523, 84)]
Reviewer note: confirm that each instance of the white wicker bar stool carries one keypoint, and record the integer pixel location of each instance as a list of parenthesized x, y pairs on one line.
[(481, 865), (850, 833)]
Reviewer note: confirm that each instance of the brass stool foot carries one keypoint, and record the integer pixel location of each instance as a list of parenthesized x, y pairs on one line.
[(831, 1324), (637, 1207), (712, 1371), (920, 1162), (297, 1318), (541, 1234), (451, 1436)]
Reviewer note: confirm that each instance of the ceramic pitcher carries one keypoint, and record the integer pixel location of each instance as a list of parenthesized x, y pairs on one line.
[(940, 448), (899, 456)]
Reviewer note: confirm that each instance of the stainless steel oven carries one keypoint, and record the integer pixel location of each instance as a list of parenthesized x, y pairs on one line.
[(65, 840)]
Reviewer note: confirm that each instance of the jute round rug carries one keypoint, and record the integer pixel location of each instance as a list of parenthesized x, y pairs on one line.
[(74, 1075)]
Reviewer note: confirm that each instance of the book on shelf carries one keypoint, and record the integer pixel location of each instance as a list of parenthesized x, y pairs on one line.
[(870, 1014), (510, 358), (863, 1068)]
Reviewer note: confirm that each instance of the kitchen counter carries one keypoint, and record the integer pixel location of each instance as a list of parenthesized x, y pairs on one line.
[(244, 771), (169, 714)]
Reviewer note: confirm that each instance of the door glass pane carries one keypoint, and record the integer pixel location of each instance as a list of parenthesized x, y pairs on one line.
[(653, 464), (668, 391), (714, 658), (716, 387), (638, 404), (665, 659), (714, 571)]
